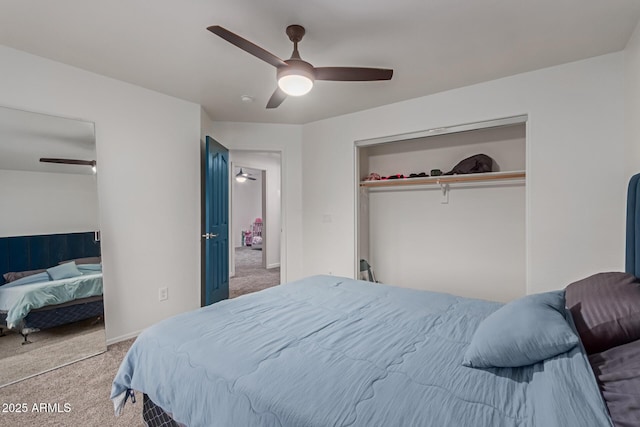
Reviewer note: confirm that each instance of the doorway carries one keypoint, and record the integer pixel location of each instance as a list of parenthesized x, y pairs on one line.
[(255, 213)]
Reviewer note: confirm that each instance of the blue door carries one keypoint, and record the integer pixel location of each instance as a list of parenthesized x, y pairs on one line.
[(216, 231)]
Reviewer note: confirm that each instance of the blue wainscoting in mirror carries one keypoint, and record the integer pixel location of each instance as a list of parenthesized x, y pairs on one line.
[(24, 253)]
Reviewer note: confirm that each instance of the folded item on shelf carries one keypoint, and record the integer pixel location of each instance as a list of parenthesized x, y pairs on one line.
[(372, 177), (478, 163)]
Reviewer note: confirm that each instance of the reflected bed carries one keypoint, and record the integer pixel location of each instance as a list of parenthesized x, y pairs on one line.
[(29, 307)]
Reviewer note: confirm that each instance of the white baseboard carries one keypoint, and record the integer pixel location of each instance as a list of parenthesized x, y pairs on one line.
[(274, 265), (124, 337)]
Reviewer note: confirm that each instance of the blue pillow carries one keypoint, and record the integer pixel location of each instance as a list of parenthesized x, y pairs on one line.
[(90, 268), (64, 271), (34, 278), (522, 332)]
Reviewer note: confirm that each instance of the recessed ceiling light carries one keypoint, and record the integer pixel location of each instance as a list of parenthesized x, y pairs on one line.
[(246, 98)]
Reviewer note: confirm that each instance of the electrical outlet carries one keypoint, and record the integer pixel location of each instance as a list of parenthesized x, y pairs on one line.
[(163, 294)]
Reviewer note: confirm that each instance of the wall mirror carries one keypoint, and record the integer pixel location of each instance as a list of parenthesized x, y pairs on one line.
[(51, 310)]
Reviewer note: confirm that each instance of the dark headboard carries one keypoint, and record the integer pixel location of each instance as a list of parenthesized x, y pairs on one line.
[(633, 227), (35, 252)]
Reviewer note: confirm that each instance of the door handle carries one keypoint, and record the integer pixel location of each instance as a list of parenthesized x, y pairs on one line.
[(209, 235)]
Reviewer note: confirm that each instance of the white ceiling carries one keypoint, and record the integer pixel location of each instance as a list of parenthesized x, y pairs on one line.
[(25, 137), (433, 45)]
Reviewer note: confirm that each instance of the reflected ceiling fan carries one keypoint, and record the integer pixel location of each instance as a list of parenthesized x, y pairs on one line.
[(295, 76), (91, 163), (243, 176)]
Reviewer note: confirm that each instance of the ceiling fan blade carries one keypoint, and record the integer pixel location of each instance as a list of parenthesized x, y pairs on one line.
[(252, 179), (68, 161), (352, 74), (247, 46), (277, 98)]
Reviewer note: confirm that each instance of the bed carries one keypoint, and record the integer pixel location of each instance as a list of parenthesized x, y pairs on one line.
[(36, 305), (332, 351)]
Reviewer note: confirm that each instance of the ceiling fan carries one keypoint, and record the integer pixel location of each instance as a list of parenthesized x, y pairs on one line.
[(295, 76), (243, 176), (91, 163)]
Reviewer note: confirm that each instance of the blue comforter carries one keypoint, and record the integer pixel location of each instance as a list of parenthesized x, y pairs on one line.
[(330, 351), (18, 301)]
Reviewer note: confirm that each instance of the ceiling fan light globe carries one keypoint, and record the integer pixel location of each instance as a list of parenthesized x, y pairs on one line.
[(295, 85), (241, 178)]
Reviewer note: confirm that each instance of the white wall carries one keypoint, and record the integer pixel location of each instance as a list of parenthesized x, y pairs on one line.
[(472, 246), (505, 145), (148, 184), (285, 139), (269, 162), (632, 91), (246, 203), (575, 166), (47, 203)]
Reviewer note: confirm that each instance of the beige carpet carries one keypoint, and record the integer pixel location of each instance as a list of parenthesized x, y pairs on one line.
[(85, 386), (44, 359), (250, 276), (49, 349), (11, 343)]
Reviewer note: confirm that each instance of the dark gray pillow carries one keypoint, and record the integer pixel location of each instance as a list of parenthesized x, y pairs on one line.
[(15, 275), (606, 310), (617, 370)]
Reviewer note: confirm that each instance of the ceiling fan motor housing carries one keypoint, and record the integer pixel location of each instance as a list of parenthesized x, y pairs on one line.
[(297, 67)]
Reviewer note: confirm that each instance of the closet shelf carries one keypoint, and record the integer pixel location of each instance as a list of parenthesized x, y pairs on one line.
[(446, 179)]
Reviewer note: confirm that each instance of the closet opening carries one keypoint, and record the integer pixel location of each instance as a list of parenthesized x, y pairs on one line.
[(463, 233)]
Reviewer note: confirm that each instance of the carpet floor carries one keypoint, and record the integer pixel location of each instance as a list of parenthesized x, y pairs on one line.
[(84, 386), (49, 349), (250, 275), (11, 343), (44, 359)]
